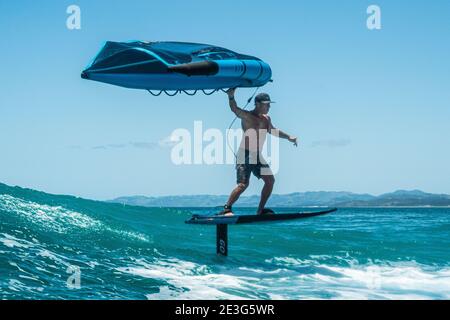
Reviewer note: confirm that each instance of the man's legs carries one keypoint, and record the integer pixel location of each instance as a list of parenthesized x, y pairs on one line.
[(243, 178), (240, 188), (269, 181), (243, 171)]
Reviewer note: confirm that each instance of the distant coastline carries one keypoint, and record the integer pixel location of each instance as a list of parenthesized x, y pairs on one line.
[(342, 199), (396, 199)]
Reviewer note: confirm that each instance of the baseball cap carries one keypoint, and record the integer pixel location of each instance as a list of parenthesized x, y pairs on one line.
[(263, 98)]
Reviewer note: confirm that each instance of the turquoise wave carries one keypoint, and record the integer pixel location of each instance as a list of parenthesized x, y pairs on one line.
[(126, 252)]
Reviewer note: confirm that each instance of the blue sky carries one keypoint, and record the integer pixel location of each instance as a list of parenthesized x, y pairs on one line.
[(371, 108)]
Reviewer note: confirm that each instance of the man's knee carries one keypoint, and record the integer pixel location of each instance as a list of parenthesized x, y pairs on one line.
[(269, 180), (242, 186)]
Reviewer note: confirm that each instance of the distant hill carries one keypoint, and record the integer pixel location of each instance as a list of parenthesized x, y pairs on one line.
[(403, 198), (399, 198)]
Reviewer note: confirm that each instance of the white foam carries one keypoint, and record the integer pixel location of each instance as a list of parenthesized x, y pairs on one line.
[(398, 280), (58, 218), (190, 281), (11, 241), (18, 286)]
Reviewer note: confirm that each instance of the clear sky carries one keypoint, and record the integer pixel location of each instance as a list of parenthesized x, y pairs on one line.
[(371, 107)]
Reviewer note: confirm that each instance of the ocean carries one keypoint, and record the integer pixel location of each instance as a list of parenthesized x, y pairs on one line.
[(63, 247)]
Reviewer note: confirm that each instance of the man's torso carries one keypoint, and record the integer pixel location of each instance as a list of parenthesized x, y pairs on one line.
[(255, 130)]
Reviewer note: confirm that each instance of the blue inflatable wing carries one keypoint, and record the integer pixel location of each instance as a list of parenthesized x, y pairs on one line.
[(175, 66)]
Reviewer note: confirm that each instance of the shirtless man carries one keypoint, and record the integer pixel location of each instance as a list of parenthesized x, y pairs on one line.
[(255, 124)]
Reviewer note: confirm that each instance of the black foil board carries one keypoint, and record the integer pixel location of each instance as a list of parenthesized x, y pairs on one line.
[(240, 219)]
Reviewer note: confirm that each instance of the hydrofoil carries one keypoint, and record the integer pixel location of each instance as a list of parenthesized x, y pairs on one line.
[(222, 222)]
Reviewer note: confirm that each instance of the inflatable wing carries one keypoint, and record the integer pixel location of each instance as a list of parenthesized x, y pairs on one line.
[(175, 66)]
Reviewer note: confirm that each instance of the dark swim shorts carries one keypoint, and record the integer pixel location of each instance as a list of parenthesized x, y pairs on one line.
[(250, 162)]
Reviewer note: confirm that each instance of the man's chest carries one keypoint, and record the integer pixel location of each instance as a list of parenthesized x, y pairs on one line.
[(255, 123)]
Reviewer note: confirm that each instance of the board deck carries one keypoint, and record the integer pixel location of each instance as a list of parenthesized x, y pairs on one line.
[(240, 219)]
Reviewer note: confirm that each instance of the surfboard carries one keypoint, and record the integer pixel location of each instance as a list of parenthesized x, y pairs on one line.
[(241, 219)]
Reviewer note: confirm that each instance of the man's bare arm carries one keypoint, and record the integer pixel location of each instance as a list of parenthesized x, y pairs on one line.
[(240, 113), (281, 134)]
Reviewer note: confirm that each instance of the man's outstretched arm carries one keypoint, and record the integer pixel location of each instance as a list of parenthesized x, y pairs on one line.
[(281, 134)]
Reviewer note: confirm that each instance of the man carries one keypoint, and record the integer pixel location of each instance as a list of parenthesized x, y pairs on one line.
[(255, 124)]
